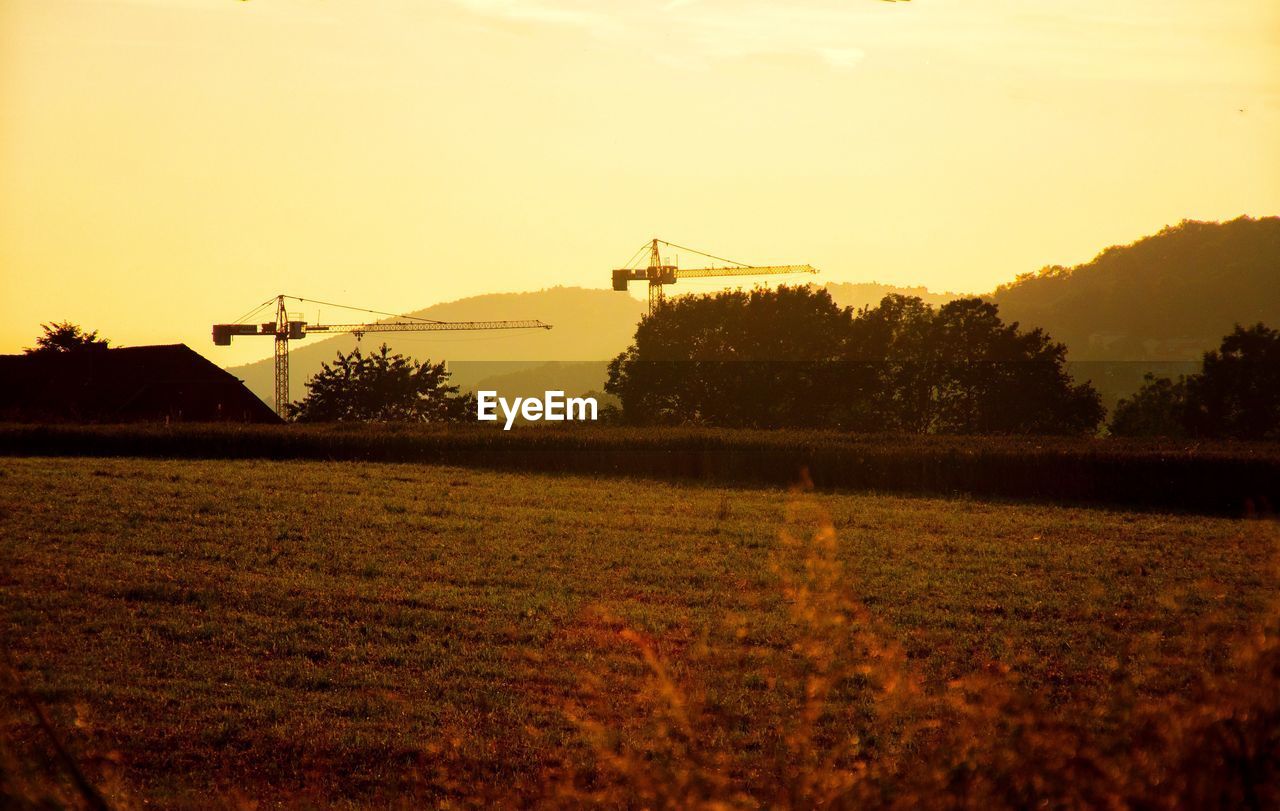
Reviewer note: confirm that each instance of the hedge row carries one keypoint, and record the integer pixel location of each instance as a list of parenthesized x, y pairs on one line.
[(1230, 479)]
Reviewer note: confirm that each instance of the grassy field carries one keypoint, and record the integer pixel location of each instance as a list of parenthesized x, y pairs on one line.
[(330, 633)]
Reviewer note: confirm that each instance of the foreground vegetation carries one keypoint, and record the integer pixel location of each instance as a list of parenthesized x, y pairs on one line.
[(1224, 478), (332, 633)]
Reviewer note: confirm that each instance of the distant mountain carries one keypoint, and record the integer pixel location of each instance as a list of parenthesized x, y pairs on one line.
[(1168, 297)]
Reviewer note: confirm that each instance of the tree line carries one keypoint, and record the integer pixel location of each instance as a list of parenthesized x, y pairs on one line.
[(791, 357)]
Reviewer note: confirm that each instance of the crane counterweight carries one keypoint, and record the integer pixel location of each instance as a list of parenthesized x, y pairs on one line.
[(660, 273)]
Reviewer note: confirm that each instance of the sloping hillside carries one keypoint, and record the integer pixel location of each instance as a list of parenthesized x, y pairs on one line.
[(1167, 297), (588, 325)]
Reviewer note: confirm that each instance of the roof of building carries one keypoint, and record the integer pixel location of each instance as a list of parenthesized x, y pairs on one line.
[(130, 384)]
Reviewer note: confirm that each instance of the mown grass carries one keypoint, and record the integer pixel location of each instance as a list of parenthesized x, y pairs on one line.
[(352, 633)]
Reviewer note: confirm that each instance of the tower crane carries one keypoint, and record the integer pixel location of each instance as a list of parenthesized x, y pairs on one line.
[(660, 273), (285, 329)]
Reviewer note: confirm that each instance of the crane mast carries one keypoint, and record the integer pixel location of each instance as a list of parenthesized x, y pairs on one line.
[(660, 273), (285, 329)]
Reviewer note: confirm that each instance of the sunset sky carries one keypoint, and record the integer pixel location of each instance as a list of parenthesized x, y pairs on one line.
[(165, 164)]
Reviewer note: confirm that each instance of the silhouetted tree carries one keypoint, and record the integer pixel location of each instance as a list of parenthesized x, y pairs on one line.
[(1159, 408), (990, 377), (66, 337), (893, 340), (1237, 392), (748, 359), (1235, 395), (381, 387), (792, 357)]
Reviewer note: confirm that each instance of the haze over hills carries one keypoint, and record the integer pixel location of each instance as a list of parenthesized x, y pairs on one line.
[(590, 327), (1156, 304), (868, 294), (587, 325)]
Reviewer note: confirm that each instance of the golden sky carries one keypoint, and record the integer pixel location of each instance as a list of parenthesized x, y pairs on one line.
[(165, 164)]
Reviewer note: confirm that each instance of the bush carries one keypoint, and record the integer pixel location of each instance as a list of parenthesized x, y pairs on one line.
[(381, 387), (1159, 408)]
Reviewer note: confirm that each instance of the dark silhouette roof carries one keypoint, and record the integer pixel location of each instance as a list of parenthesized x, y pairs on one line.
[(131, 384)]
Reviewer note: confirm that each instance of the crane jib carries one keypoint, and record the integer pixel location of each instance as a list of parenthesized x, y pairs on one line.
[(297, 330), (660, 272), (285, 329), (419, 326)]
